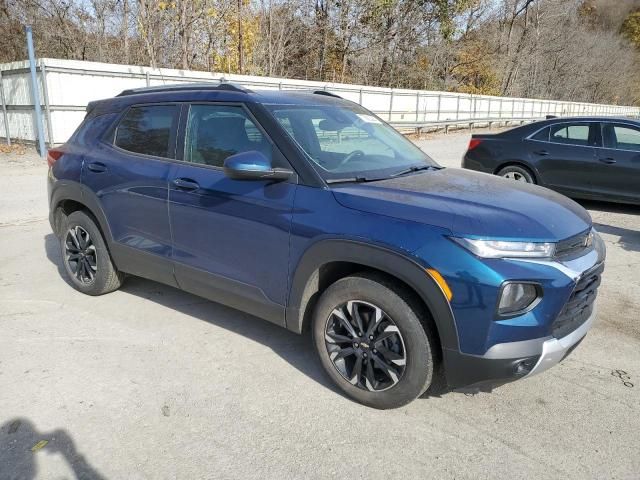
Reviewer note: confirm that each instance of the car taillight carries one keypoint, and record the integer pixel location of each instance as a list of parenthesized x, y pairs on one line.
[(53, 155), (473, 143)]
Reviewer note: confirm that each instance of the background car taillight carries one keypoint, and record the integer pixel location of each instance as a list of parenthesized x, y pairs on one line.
[(473, 143), (53, 155)]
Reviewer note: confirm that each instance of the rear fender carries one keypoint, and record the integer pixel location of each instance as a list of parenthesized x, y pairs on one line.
[(70, 190)]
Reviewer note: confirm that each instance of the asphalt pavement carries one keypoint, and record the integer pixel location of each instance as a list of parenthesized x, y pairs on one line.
[(152, 383)]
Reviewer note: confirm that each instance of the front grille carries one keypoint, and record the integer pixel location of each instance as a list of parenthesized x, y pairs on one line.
[(580, 304), (573, 245)]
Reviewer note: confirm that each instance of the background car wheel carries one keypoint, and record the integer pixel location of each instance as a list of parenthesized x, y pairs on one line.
[(519, 174), (86, 258), (371, 342)]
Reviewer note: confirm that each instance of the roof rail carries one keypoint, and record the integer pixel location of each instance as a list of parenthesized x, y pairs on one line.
[(328, 94), (233, 87), (184, 87)]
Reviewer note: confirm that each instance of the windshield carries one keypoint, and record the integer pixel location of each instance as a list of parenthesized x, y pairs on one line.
[(347, 142)]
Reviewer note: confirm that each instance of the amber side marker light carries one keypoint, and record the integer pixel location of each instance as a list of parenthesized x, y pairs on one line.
[(441, 282)]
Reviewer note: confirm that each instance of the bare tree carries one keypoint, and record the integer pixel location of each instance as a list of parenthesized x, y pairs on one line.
[(563, 49)]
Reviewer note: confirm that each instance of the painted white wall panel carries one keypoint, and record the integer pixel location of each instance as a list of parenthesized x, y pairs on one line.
[(71, 84)]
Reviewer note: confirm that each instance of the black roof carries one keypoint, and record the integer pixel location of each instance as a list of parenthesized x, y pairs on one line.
[(209, 91), (529, 128), (265, 95)]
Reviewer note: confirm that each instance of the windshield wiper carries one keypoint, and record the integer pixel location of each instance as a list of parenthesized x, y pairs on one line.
[(415, 168), (352, 180)]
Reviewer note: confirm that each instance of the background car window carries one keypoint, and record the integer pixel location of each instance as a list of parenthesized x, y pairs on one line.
[(542, 135), (570, 134), (346, 140), (215, 132), (148, 129), (621, 137)]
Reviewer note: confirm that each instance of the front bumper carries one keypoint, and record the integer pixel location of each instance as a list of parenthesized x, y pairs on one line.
[(554, 350), (506, 362)]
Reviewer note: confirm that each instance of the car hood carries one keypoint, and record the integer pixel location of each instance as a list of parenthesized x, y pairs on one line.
[(471, 204)]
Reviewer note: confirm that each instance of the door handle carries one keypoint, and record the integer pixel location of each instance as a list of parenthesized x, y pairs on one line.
[(97, 167), (186, 184), (543, 153), (607, 160)]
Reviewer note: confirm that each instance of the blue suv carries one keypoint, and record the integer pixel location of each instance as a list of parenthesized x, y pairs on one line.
[(307, 210)]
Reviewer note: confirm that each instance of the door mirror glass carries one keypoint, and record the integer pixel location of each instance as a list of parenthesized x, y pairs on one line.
[(253, 165)]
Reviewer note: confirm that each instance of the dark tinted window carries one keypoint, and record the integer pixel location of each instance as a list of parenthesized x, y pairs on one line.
[(92, 128), (149, 130), (215, 132), (570, 133), (542, 135), (623, 137)]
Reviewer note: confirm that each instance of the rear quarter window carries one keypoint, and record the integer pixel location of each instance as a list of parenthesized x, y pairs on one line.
[(92, 128), (542, 135)]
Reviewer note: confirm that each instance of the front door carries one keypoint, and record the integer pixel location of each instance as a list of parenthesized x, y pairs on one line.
[(230, 237)]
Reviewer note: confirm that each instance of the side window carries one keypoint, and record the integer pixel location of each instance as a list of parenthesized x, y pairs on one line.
[(623, 137), (570, 134), (149, 130), (215, 132), (542, 135)]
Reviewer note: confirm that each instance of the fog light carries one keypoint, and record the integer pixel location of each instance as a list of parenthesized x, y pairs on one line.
[(525, 366), (517, 297)]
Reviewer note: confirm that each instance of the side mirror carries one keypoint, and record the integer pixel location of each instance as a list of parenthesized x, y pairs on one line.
[(253, 165)]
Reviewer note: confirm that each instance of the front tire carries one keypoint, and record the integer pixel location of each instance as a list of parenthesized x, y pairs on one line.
[(371, 342), (86, 258)]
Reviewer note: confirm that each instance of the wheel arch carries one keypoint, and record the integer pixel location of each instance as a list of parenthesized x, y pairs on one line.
[(329, 260), (69, 197), (522, 164)]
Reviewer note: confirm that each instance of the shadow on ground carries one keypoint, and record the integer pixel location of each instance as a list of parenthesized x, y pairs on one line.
[(21, 443), (628, 239), (296, 349)]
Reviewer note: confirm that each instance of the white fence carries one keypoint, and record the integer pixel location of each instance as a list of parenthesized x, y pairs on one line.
[(66, 86)]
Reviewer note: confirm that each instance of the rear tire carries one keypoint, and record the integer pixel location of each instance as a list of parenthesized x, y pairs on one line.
[(382, 356), (517, 173), (86, 258)]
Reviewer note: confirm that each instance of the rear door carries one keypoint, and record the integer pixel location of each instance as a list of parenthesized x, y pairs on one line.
[(567, 159), (128, 172), (617, 171), (230, 237)]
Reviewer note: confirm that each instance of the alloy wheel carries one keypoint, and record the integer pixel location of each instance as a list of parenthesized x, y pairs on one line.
[(517, 176), (80, 254), (365, 346)]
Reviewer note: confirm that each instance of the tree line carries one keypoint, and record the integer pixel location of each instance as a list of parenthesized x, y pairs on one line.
[(580, 50)]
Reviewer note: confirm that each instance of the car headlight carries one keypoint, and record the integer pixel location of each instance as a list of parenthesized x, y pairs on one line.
[(506, 249)]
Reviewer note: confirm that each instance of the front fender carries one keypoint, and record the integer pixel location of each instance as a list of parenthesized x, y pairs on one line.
[(401, 266)]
